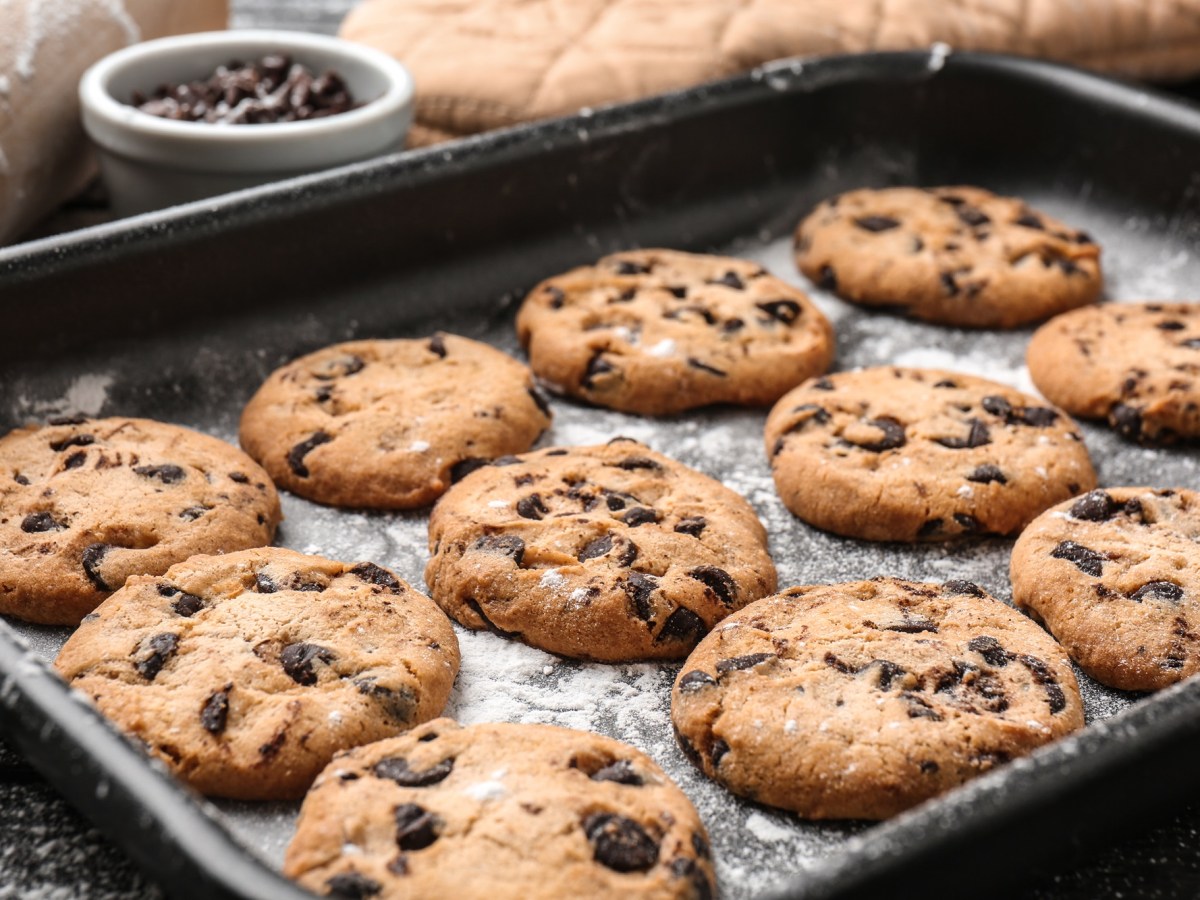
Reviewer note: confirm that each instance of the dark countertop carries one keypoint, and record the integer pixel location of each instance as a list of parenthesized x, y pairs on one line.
[(48, 851)]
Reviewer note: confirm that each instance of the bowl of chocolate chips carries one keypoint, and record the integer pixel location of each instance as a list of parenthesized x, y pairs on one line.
[(189, 117)]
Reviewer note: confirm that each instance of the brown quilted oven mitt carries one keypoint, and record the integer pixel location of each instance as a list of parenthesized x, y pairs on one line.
[(482, 64)]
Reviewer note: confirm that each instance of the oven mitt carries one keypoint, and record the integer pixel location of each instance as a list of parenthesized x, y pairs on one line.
[(45, 46), (482, 64)]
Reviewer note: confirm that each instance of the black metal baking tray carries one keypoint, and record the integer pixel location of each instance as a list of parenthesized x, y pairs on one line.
[(179, 315)]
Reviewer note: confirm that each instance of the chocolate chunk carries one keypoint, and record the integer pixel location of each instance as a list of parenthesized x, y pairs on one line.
[(297, 660), (678, 291), (963, 587), (619, 843), (20, 479), (1094, 506), (876, 224), (786, 311), (215, 711), (398, 704), (977, 436), (265, 584), (912, 625), (632, 463), (416, 827), (1127, 420), (396, 768), (930, 527), (822, 384), (719, 750), (75, 460), (819, 415), (693, 525), (972, 216), (167, 474), (1029, 220), (1088, 561), (596, 547), (597, 365), (625, 267), (1043, 676), (1036, 416), (465, 467), (838, 664), (888, 672), (969, 524), (503, 545), (1158, 590), (986, 474), (621, 772), (153, 653), (557, 297), (377, 575), (35, 523), (730, 280), (540, 401), (531, 507), (694, 681), (705, 367), (192, 513), (75, 440), (919, 707), (295, 456), (827, 280), (93, 555), (737, 663), (640, 515), (998, 406), (1171, 325), (683, 625), (639, 587), (239, 477), (732, 325), (949, 285), (946, 383), (437, 346), (718, 581), (893, 435), (989, 648), (351, 886), (186, 605)]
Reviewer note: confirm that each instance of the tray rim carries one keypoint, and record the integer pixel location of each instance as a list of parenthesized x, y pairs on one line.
[(35, 703)]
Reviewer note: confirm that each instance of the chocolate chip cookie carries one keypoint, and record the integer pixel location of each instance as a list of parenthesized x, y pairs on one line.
[(891, 454), (1115, 576), (952, 255), (499, 811), (1135, 364), (87, 503), (860, 700), (245, 673), (390, 424), (610, 553), (659, 331)]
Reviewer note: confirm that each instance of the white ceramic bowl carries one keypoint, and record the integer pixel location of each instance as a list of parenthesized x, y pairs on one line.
[(149, 162)]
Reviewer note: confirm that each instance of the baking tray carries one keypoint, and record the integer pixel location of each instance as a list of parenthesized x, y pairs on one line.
[(179, 315)]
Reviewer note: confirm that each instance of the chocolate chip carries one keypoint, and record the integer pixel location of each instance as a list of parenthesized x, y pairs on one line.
[(186, 605), (946, 383), (718, 581), (265, 584), (972, 216), (502, 545), (351, 886), (396, 768), (596, 547), (297, 661), (693, 525), (540, 401), (929, 767), (705, 367), (876, 224), (239, 477), (969, 524), (1043, 676), (969, 588), (597, 365), (1094, 506), (930, 527), (639, 587), (719, 750), (416, 827), (295, 456), (640, 515), (1171, 325), (682, 625), (919, 708), (619, 843), (625, 267), (732, 325), (93, 555), (730, 280), (465, 467), (35, 523), (827, 279), (989, 648), (1127, 420), (215, 711), (1029, 220), (678, 291), (1158, 590), (949, 285), (74, 419), (912, 625), (377, 575), (840, 665), (192, 513), (1191, 343), (737, 663), (153, 653), (786, 311), (1088, 561), (893, 435), (75, 440), (437, 346), (557, 297), (694, 681), (977, 436), (986, 474), (888, 672), (631, 463), (75, 460), (531, 507), (998, 406), (1036, 416), (621, 772), (20, 479)]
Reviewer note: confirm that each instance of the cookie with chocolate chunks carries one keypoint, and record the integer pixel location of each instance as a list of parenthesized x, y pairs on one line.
[(87, 503), (1135, 365), (390, 424), (1115, 576), (611, 553), (860, 700), (501, 811), (659, 331), (952, 255), (245, 673), (891, 454)]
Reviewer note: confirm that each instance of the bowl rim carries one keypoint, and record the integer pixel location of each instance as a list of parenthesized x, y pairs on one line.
[(98, 101)]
